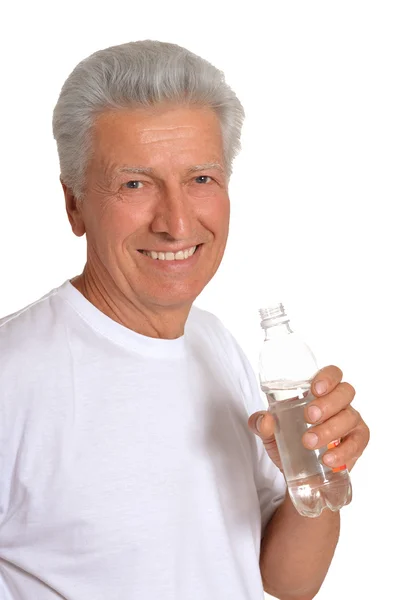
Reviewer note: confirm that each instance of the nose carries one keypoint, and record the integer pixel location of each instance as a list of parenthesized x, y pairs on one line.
[(174, 214)]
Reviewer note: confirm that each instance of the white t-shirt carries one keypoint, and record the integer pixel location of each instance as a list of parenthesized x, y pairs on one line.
[(128, 470)]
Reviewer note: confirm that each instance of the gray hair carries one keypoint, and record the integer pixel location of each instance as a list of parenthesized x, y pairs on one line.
[(136, 74)]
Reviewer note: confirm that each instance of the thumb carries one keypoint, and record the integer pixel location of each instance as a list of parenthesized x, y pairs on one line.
[(262, 423)]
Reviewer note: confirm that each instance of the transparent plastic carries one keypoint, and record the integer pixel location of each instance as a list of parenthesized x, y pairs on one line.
[(286, 369)]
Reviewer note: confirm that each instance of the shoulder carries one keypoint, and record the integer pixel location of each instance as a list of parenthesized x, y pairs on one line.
[(210, 335), (205, 325), (207, 329), (33, 317), (28, 332)]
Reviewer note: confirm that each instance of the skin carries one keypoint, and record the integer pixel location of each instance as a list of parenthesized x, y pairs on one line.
[(296, 552), (168, 209)]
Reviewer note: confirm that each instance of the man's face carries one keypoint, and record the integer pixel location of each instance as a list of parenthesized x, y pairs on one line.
[(149, 190)]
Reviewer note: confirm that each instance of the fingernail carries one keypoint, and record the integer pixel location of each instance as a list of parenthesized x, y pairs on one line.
[(310, 439), (329, 459), (320, 387), (314, 413), (257, 424)]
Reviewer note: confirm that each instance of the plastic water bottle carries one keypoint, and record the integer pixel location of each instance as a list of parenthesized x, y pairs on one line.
[(286, 369)]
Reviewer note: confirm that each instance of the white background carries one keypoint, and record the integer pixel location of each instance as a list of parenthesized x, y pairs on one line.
[(314, 197)]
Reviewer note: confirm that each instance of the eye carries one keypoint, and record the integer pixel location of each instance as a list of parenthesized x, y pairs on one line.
[(133, 184), (200, 178)]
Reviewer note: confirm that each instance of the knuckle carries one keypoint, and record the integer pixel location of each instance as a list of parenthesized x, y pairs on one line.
[(348, 389), (326, 434), (339, 373), (334, 428), (355, 415), (364, 434), (353, 448)]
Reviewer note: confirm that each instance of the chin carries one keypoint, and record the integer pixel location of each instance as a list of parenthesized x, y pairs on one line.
[(177, 299)]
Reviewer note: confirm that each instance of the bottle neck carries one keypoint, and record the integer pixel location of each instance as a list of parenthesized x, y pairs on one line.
[(277, 330)]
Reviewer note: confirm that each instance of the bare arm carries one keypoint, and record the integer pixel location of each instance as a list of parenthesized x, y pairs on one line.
[(296, 552)]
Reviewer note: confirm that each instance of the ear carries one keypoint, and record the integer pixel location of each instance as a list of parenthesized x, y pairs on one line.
[(74, 211)]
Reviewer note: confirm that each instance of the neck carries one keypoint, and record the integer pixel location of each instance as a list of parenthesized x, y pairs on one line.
[(156, 322)]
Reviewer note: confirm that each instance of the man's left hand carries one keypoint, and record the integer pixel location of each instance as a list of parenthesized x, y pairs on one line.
[(332, 417)]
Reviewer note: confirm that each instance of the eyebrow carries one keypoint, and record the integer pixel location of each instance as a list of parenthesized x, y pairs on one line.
[(149, 171), (205, 166)]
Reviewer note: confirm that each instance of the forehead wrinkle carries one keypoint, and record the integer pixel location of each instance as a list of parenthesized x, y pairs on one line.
[(167, 128), (164, 133)]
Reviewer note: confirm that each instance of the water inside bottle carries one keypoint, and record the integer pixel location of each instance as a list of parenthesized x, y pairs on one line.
[(312, 485)]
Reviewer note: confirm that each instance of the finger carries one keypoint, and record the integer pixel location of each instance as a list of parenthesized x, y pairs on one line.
[(336, 427), (349, 450), (326, 380), (262, 423), (321, 409)]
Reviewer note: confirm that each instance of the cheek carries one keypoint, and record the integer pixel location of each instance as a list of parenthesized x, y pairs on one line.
[(119, 226), (218, 216), (113, 226)]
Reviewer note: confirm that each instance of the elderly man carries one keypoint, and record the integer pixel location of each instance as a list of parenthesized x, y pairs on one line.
[(130, 468)]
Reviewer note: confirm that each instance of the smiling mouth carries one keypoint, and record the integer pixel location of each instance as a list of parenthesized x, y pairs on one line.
[(180, 255)]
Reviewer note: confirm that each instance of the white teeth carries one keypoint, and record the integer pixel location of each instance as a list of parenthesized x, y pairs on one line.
[(180, 255)]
